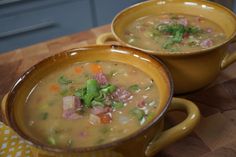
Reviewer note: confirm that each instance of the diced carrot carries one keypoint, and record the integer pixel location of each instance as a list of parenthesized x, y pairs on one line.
[(96, 68), (78, 70), (54, 88), (105, 118)]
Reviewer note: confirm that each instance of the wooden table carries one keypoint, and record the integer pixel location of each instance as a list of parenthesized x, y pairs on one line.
[(215, 136)]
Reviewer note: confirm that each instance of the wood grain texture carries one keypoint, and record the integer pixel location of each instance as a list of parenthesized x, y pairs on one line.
[(215, 136)]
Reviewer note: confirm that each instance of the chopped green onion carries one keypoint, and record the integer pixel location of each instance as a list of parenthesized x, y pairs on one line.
[(64, 92), (92, 87), (94, 94), (63, 80), (44, 116), (87, 100), (138, 113), (101, 97), (150, 116), (134, 88), (163, 28), (177, 31), (104, 86), (108, 89), (97, 103), (88, 93), (168, 44), (80, 92), (193, 30), (117, 105), (51, 140), (178, 36)]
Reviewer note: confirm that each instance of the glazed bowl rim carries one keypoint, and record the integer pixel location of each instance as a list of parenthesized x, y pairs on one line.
[(40, 145), (176, 54)]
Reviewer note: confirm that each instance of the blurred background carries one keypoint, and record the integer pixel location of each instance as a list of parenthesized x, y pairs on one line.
[(26, 22)]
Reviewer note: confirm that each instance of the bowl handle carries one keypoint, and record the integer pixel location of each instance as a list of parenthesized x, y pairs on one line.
[(179, 131), (104, 38), (3, 117), (229, 58)]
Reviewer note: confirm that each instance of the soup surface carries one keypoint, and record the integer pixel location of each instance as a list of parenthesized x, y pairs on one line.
[(173, 33), (88, 104)]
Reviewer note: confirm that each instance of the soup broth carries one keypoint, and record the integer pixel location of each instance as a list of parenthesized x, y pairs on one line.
[(173, 33), (88, 104)]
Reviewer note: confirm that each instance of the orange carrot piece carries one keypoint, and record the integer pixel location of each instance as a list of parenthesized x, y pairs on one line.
[(96, 68), (78, 70), (105, 118), (54, 88)]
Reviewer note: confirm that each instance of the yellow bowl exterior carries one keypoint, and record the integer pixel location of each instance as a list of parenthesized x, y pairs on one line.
[(12, 107), (190, 70)]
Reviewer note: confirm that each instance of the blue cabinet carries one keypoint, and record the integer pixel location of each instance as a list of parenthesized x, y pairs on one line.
[(105, 10), (32, 22), (26, 22)]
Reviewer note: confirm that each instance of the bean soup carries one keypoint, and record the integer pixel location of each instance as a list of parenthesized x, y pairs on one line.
[(173, 33), (88, 104)]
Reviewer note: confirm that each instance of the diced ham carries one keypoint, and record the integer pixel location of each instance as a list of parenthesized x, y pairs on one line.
[(70, 114), (183, 21), (83, 134), (209, 30), (100, 110), (71, 104), (198, 19), (141, 104), (108, 109), (121, 95), (206, 43), (186, 35), (101, 78)]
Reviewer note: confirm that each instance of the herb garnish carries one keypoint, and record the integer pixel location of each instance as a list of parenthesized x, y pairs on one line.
[(176, 32)]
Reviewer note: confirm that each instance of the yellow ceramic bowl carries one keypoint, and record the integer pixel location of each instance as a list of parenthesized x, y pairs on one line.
[(191, 70), (146, 141)]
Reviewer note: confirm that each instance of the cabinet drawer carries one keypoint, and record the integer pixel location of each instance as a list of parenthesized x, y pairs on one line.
[(21, 27)]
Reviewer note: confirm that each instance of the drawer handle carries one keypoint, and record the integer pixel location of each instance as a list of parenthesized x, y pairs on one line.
[(27, 29), (5, 2)]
